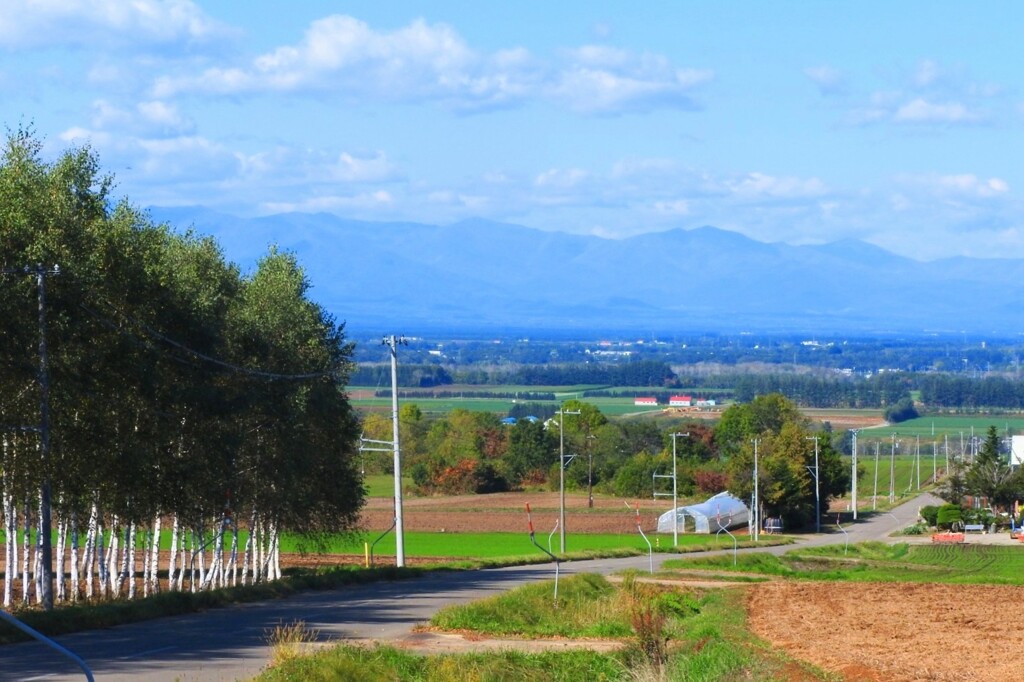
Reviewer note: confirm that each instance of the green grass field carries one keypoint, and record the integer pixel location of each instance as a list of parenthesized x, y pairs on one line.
[(936, 428), (493, 545), (905, 478)]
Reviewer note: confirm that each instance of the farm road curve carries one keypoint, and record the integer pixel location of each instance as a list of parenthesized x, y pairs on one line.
[(230, 643)]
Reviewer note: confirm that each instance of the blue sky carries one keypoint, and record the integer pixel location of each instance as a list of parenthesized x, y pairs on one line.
[(895, 123)]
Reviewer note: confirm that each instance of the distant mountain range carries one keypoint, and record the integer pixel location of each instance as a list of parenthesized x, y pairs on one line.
[(497, 277)]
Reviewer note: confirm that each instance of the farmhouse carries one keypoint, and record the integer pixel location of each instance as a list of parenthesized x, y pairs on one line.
[(645, 401), (680, 401)]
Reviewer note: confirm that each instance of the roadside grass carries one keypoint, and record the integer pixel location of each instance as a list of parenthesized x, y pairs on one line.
[(879, 562), (352, 663), (588, 606), (288, 641)]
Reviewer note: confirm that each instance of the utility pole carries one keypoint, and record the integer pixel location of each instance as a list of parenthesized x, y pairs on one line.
[(757, 502), (675, 490), (392, 342), (590, 469), (892, 471), (817, 490), (874, 494), (853, 486), (561, 474)]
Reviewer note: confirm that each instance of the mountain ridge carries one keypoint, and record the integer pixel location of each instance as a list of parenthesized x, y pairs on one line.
[(485, 275)]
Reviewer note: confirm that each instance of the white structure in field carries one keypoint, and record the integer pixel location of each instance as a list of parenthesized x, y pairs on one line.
[(1016, 451), (721, 511), (680, 401), (645, 401)]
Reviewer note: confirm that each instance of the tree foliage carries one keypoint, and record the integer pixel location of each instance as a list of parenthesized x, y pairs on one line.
[(179, 386)]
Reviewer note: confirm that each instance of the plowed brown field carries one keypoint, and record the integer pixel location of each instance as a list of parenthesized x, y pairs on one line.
[(889, 632), (506, 512)]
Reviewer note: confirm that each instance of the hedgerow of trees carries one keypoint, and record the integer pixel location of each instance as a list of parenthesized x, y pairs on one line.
[(181, 392)]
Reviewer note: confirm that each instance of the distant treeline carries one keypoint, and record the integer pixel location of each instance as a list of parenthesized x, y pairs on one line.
[(498, 395), (945, 391), (956, 392), (640, 373)]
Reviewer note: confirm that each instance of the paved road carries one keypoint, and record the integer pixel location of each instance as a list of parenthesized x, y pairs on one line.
[(230, 643)]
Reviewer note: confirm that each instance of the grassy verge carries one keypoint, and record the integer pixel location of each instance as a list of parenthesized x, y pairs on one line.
[(879, 562), (348, 663)]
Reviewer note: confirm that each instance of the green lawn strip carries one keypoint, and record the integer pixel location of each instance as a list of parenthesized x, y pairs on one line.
[(490, 545), (363, 664), (383, 485)]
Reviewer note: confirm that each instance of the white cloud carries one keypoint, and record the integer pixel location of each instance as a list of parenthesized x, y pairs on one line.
[(44, 23), (345, 56), (367, 200), (920, 110), (342, 54), (677, 207), (374, 168), (829, 80), (926, 74), (960, 186), (561, 178), (762, 186), (602, 79)]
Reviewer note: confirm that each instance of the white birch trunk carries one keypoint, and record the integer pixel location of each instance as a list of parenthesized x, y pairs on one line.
[(173, 559), (274, 557), (90, 546), (128, 561), (10, 546), (200, 557), (10, 526), (75, 567), (181, 573), (154, 560), (146, 535), (233, 562), (62, 535), (111, 564), (26, 549), (247, 553)]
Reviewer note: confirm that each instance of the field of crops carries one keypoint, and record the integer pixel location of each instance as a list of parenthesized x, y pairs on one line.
[(936, 428)]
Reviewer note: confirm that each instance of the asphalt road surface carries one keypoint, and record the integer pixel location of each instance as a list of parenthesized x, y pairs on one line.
[(230, 643)]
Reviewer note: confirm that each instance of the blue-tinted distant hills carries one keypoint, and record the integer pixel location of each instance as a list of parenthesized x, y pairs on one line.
[(491, 277)]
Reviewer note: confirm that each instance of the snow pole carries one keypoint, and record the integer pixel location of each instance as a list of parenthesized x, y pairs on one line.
[(650, 550), (846, 548), (552, 534), (533, 539), (718, 521)]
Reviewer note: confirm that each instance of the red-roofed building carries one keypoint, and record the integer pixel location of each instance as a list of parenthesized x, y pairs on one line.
[(680, 401), (645, 401)]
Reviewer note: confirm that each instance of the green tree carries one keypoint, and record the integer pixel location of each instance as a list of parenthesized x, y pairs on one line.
[(990, 475)]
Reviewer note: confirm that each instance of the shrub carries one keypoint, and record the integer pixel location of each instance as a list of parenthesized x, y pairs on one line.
[(948, 515), (929, 514)]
